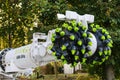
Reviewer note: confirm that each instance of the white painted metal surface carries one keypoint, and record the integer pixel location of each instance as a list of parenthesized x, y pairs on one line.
[(69, 70), (18, 59), (30, 56), (71, 15)]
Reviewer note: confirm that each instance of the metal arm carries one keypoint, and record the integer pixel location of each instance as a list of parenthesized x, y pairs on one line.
[(71, 15)]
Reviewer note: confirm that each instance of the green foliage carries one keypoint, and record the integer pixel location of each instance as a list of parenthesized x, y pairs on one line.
[(49, 9), (17, 18), (88, 77)]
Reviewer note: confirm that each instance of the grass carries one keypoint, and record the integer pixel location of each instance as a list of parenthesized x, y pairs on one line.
[(80, 76)]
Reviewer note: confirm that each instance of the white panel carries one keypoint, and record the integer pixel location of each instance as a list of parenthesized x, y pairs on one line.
[(19, 58), (68, 69)]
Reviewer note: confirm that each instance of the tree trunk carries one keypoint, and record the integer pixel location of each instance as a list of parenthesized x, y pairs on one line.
[(55, 70), (74, 70), (109, 73)]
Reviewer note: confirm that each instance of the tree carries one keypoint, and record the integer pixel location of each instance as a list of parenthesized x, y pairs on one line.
[(17, 19), (11, 21)]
